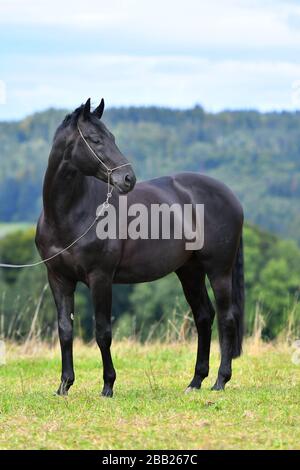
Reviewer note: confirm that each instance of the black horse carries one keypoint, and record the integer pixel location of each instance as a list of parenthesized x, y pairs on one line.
[(74, 186)]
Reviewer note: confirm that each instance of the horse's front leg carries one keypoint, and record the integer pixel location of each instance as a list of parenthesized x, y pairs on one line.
[(101, 288), (63, 293)]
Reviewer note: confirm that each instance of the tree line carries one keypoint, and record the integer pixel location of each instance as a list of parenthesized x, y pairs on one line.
[(150, 310), (256, 154)]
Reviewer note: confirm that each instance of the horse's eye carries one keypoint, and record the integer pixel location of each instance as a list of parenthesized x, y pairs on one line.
[(95, 140)]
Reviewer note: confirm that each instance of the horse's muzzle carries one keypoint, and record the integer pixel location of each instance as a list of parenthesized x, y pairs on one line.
[(124, 183)]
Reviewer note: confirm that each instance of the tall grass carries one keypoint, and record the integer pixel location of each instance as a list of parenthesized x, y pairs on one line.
[(170, 328)]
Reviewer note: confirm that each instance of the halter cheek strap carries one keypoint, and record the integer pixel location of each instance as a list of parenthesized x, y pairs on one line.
[(108, 170)]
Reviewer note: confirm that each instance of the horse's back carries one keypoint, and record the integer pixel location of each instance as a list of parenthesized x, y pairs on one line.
[(189, 187)]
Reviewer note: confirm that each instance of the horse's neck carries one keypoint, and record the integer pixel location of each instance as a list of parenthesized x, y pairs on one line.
[(65, 188), (69, 196), (61, 191)]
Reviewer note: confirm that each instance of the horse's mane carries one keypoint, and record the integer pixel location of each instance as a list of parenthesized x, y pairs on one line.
[(70, 118)]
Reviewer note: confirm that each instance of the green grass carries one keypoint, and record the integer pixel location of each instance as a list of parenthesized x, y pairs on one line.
[(260, 408), (6, 228)]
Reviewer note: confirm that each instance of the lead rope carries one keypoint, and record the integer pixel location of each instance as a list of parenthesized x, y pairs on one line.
[(104, 205)]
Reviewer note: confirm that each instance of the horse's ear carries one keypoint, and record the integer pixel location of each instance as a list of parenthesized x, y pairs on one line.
[(87, 109), (99, 110)]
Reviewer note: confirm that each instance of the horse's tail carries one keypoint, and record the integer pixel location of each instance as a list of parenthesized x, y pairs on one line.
[(238, 298)]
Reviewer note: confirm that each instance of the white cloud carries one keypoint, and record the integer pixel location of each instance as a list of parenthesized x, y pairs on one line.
[(296, 93), (197, 23), (220, 53), (2, 92), (178, 81)]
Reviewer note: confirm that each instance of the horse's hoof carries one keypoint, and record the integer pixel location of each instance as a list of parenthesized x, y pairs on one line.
[(59, 393), (107, 393), (218, 387), (62, 390)]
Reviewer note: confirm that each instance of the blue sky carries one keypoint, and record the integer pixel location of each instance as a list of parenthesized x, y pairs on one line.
[(229, 54)]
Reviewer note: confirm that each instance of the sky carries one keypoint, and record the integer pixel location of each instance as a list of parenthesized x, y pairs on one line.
[(220, 54)]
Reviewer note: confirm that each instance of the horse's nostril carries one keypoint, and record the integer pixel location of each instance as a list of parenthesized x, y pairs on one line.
[(128, 180)]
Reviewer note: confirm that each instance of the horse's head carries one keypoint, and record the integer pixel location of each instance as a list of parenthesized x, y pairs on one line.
[(91, 148)]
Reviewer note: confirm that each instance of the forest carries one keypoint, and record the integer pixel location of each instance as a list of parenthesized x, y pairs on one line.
[(257, 155)]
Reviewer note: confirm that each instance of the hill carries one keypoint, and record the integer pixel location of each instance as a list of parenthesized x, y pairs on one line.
[(257, 155)]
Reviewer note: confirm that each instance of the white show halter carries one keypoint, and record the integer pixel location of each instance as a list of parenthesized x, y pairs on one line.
[(104, 205)]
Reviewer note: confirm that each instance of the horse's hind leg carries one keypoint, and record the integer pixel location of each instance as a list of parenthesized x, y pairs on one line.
[(222, 288), (193, 283)]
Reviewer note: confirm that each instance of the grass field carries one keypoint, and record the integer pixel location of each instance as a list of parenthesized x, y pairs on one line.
[(260, 409)]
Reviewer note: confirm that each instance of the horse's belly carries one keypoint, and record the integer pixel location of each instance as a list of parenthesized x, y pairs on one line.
[(147, 260)]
